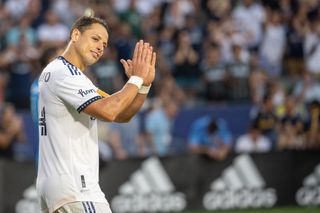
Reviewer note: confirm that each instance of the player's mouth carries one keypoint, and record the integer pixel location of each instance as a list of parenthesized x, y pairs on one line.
[(95, 55)]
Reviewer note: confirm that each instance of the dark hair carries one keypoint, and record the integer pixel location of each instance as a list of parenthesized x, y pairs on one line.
[(212, 127), (85, 22)]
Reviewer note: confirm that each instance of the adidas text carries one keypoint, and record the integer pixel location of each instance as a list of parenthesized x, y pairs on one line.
[(239, 186), (244, 198), (309, 193), (149, 189), (149, 203)]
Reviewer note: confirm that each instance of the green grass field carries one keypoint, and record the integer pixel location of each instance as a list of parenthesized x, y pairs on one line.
[(273, 210)]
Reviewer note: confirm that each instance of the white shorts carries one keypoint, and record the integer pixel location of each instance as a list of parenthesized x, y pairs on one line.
[(84, 207)]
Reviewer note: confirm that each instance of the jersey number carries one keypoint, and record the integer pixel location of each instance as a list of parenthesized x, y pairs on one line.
[(42, 122)]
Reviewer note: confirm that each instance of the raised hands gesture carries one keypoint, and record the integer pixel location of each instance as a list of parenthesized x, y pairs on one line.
[(142, 63)]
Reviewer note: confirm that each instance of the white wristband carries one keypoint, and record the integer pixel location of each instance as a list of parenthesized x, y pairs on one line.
[(136, 81), (144, 89)]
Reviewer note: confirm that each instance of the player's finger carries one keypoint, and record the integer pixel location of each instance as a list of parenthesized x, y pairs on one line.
[(140, 50), (153, 60), (124, 64), (135, 52), (145, 51), (129, 61), (149, 56)]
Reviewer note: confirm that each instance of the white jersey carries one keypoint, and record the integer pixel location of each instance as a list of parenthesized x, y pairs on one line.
[(69, 156)]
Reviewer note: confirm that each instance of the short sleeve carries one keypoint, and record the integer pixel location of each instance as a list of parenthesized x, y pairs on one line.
[(77, 91)]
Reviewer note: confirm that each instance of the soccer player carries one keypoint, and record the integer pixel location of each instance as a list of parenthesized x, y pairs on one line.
[(69, 104)]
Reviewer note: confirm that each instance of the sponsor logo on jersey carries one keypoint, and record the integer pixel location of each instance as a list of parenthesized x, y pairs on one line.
[(85, 92), (240, 186), (309, 193), (149, 189)]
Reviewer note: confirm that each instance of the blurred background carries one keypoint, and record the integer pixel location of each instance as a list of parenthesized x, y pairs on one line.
[(233, 76)]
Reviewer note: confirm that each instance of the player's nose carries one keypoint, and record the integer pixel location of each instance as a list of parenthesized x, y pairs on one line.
[(99, 49)]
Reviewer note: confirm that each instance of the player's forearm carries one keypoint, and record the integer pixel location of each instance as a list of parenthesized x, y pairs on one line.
[(110, 107), (132, 109)]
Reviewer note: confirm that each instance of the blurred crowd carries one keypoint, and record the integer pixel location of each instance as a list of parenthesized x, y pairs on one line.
[(262, 52)]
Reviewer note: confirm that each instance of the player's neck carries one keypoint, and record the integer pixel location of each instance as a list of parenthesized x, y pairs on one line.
[(70, 55)]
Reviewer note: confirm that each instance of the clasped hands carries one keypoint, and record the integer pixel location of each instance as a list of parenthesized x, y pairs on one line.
[(142, 63)]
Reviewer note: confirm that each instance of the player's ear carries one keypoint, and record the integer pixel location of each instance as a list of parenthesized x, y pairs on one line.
[(75, 35)]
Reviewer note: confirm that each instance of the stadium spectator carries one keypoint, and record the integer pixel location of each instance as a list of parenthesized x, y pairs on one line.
[(3, 84), (167, 89), (124, 40), (107, 72), (210, 136), (52, 32), (253, 141), (278, 95), (126, 140), (11, 130), (307, 89), (22, 29), (17, 8), (20, 72), (68, 10), (132, 17), (166, 46), (273, 44), (186, 58), (294, 64), (238, 72), (249, 16), (218, 9), (195, 32), (291, 131), (258, 81), (312, 44), (158, 125), (314, 125), (176, 13), (214, 74), (266, 120)]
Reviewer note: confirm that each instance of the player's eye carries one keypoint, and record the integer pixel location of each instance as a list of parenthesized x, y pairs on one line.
[(95, 39)]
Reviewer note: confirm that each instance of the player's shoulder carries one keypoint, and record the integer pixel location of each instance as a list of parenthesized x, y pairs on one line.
[(68, 67), (61, 67)]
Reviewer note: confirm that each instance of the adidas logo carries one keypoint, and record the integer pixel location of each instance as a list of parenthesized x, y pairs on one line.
[(309, 193), (148, 189), (240, 186), (30, 201)]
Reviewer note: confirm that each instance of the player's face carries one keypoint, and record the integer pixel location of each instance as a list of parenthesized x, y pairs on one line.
[(91, 43)]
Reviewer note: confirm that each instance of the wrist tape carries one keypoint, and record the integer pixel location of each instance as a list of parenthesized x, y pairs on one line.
[(136, 81), (144, 89)]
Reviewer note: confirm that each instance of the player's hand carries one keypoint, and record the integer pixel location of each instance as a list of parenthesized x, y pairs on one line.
[(139, 65), (127, 64)]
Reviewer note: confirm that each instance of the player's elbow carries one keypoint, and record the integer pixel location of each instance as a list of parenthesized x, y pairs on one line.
[(110, 117), (121, 119)]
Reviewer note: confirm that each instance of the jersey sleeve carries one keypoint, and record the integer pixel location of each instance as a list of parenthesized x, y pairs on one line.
[(78, 92)]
